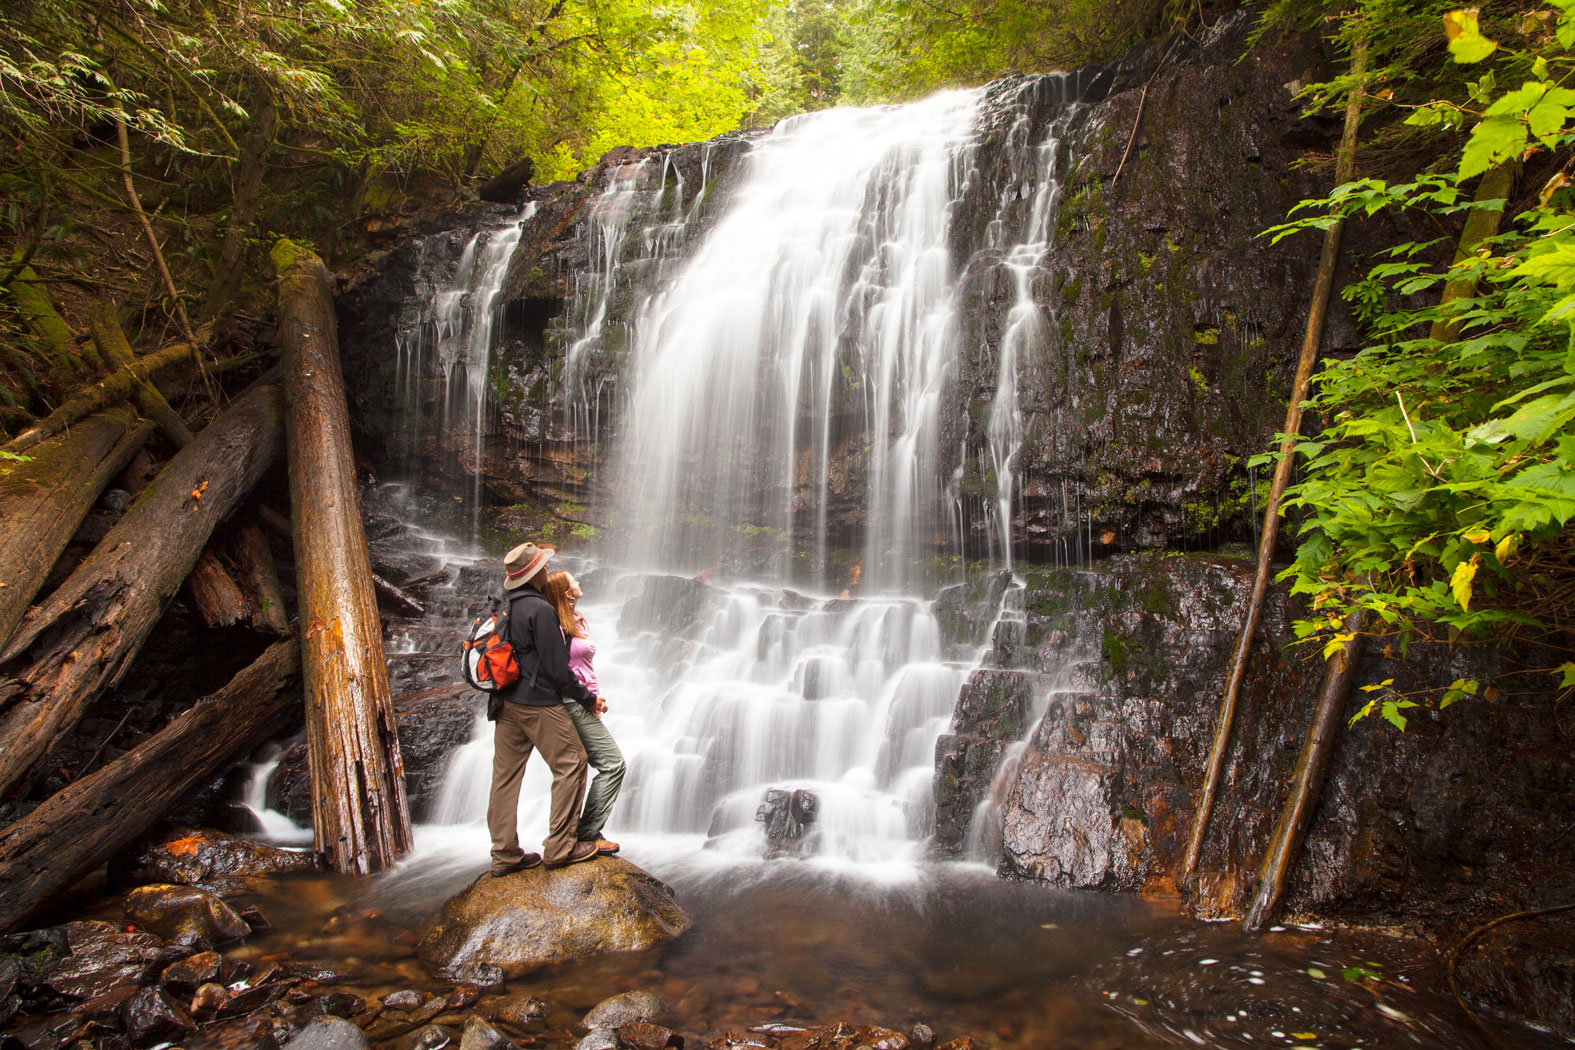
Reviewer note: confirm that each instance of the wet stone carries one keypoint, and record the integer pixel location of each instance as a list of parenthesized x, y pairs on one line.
[(150, 1016), (430, 1037), (211, 859), (184, 911), (643, 1035), (408, 999), (484, 976), (522, 1011), (921, 1036), (328, 1033), (599, 1039), (479, 1035), (625, 1009), (338, 1004), (464, 995), (207, 1000), (186, 975), (102, 958)]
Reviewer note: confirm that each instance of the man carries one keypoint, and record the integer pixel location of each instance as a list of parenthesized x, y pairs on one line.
[(533, 716)]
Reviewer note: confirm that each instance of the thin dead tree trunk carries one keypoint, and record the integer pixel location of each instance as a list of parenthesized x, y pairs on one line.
[(84, 824), (248, 191), (1345, 165), (112, 343), (147, 227), (1285, 844), (43, 500), (83, 637), (360, 819)]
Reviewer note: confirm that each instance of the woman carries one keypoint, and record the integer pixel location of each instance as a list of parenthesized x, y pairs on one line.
[(601, 750)]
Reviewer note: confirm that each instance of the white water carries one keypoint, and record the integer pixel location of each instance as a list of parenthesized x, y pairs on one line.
[(818, 311)]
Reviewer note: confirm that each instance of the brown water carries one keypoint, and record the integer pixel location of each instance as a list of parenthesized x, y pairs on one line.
[(1013, 965)]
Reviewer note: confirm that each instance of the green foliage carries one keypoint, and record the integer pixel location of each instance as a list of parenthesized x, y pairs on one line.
[(1444, 481)]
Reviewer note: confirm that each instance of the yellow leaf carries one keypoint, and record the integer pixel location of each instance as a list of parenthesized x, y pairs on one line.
[(1304, 1035), (1507, 546), (1477, 536), (1460, 582)]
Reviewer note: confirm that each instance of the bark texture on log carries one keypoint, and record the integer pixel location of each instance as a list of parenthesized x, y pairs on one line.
[(84, 636), (43, 500), (360, 818), (112, 343), (84, 824)]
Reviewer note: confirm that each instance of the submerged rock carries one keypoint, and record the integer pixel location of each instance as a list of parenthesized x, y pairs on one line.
[(788, 816), (102, 958), (328, 1033), (538, 917), (479, 1035), (624, 1009), (151, 1016), (184, 912)]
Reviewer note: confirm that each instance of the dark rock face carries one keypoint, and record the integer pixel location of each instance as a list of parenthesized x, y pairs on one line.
[(789, 817), (538, 917), (992, 712), (431, 724), (1129, 659), (102, 958)]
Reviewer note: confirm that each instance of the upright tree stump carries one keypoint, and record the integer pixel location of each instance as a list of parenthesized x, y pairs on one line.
[(360, 819)]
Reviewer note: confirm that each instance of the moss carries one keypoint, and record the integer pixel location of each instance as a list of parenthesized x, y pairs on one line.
[(1117, 653), (1206, 336), (1196, 375)]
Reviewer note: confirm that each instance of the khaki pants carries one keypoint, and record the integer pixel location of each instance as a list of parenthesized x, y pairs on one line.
[(550, 731)]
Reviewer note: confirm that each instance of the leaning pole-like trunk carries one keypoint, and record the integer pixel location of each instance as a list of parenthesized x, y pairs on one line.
[(45, 498), (83, 637), (359, 817), (1285, 844), (89, 821), (1345, 164)]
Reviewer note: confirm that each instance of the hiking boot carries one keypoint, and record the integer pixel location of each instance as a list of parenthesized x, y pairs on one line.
[(606, 847), (530, 860), (582, 852)]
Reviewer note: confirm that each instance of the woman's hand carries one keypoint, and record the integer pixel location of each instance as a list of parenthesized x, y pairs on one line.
[(600, 707)]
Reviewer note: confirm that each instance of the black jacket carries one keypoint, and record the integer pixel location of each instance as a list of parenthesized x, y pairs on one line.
[(542, 654)]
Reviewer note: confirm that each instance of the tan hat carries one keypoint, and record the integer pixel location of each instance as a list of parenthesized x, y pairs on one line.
[(522, 563)]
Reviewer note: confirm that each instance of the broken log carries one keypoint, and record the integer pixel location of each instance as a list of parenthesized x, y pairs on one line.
[(82, 638), (406, 604), (360, 819), (117, 386), (87, 822), (235, 582), (45, 498)]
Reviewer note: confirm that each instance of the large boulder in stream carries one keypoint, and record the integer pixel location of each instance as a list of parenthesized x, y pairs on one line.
[(538, 917)]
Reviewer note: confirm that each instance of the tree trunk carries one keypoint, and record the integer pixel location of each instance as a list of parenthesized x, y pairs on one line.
[(1285, 844), (82, 639), (1345, 164), (235, 581), (243, 209), (84, 824), (359, 816), (117, 386), (56, 342), (43, 500)]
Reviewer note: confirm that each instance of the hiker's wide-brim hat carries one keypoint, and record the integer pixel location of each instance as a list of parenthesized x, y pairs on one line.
[(522, 563)]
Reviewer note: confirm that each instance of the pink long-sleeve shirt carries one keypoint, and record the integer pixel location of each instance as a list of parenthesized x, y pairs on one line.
[(582, 651)]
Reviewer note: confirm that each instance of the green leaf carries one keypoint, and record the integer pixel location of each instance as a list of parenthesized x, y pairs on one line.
[(1496, 139), (1568, 671), (1391, 713)]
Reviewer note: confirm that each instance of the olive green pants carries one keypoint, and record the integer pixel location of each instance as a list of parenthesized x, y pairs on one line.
[(604, 756)]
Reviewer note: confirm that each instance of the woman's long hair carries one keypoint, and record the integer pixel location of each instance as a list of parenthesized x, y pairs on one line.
[(556, 588)]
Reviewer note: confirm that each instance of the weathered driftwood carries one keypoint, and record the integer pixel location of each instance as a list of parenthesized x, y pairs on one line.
[(360, 819), (398, 598), (1285, 844), (82, 638), (1345, 163), (44, 498), (112, 343), (117, 386), (84, 824), (235, 582)]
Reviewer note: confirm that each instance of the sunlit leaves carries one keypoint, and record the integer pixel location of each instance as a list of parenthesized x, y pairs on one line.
[(1466, 42)]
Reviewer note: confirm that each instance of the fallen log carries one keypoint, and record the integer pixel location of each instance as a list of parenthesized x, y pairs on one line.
[(84, 824), (235, 581), (82, 639), (117, 386), (112, 343), (397, 597), (45, 498), (360, 819)]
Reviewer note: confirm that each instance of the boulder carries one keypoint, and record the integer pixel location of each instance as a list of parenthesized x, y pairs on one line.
[(187, 975), (788, 815), (328, 1033), (538, 917), (210, 859), (508, 185), (521, 1011), (151, 1016), (626, 1009), (184, 912), (643, 1035), (479, 1035)]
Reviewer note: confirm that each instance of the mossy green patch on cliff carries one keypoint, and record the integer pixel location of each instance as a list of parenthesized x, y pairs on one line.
[(1117, 653)]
